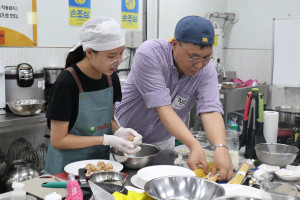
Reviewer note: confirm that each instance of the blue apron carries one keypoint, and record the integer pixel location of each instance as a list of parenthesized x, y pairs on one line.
[(94, 119)]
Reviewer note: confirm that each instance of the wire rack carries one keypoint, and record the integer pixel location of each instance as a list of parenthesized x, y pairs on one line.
[(15, 147), (28, 153), (41, 151)]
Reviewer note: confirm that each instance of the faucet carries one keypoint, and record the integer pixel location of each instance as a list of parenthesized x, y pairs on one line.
[(220, 70)]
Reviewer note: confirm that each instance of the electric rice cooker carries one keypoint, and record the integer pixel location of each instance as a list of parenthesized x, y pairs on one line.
[(24, 82)]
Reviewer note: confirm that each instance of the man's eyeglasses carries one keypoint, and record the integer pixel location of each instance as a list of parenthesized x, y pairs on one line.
[(116, 62), (196, 60)]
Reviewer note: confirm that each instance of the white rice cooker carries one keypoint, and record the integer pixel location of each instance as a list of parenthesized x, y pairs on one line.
[(24, 82)]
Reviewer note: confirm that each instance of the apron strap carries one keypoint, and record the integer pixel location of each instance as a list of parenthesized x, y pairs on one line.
[(72, 71), (109, 81)]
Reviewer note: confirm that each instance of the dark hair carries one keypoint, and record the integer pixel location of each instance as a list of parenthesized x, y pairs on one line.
[(75, 56), (201, 46)]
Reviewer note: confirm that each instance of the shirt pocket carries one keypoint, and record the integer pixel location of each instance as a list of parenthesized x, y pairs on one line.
[(183, 101)]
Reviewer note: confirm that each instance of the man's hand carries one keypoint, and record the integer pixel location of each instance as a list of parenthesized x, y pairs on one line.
[(197, 157), (223, 164)]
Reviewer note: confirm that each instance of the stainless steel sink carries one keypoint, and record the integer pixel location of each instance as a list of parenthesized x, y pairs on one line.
[(235, 99)]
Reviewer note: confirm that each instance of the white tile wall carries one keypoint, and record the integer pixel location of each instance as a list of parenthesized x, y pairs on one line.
[(249, 63), (257, 64), (36, 57)]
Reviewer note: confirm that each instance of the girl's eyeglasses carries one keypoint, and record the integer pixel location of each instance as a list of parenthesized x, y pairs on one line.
[(116, 62)]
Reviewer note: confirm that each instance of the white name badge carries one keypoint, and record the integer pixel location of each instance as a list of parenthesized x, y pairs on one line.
[(179, 102)]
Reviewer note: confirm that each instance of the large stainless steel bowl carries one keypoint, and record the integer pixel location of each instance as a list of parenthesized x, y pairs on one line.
[(136, 160), (26, 106), (276, 154), (183, 187), (237, 198), (109, 177)]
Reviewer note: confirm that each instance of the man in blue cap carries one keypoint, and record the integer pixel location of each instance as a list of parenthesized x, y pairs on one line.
[(166, 79)]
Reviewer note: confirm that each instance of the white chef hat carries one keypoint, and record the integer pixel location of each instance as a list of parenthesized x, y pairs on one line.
[(100, 34)]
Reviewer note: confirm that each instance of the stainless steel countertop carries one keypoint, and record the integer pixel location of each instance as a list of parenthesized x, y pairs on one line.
[(11, 122)]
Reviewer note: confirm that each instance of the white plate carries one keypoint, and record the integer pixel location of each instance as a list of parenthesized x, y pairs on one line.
[(148, 173), (135, 180), (268, 168), (293, 168), (241, 190), (288, 175), (73, 167)]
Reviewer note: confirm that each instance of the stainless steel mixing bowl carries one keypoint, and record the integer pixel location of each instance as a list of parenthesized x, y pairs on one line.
[(26, 106), (109, 177), (183, 187), (276, 154), (136, 160), (237, 198)]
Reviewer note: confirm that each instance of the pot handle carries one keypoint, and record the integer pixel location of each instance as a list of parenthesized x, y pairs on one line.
[(81, 176), (24, 75)]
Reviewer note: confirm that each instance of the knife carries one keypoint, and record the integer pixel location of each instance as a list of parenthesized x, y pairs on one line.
[(62, 184)]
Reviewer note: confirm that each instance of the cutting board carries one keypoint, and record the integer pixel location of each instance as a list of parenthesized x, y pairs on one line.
[(33, 186)]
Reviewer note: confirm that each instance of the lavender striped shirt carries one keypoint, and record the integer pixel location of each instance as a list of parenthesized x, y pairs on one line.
[(153, 82)]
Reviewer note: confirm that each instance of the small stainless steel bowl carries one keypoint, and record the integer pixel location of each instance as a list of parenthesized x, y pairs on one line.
[(26, 106), (276, 154), (137, 160), (109, 177), (183, 187)]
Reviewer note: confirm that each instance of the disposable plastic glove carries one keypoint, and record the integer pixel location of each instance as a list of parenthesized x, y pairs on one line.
[(126, 133), (121, 144)]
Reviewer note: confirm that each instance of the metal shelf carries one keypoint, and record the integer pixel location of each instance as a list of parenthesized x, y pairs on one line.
[(10, 122)]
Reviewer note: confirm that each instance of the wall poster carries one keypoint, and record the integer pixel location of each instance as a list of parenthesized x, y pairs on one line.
[(79, 12), (130, 14), (18, 23)]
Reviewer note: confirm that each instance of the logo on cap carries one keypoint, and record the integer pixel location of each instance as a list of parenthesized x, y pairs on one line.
[(205, 40)]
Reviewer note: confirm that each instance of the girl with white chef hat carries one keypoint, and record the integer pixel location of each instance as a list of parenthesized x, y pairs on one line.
[(81, 105)]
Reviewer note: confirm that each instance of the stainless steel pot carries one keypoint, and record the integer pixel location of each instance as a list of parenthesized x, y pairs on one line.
[(19, 170), (287, 113)]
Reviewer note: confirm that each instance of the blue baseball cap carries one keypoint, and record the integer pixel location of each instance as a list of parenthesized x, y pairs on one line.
[(195, 29)]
